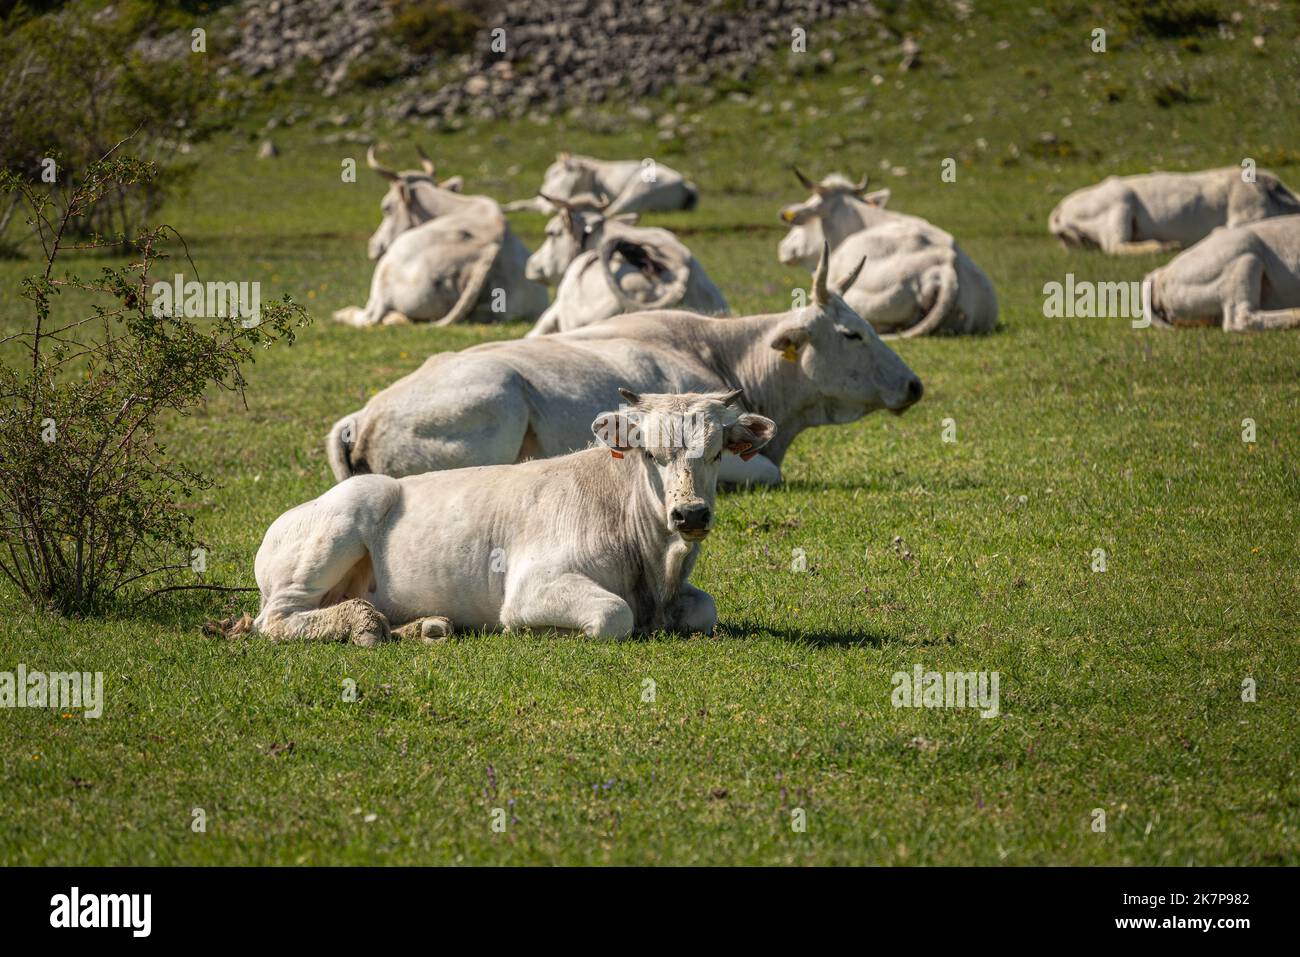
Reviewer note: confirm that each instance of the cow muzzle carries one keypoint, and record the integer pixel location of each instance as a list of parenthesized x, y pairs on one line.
[(692, 521), (912, 393)]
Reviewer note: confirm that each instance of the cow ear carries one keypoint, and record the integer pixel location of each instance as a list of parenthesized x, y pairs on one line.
[(789, 338), (879, 198), (796, 214), (614, 430), (453, 183), (748, 434)]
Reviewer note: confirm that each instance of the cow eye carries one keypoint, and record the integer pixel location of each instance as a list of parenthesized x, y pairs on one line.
[(849, 334)]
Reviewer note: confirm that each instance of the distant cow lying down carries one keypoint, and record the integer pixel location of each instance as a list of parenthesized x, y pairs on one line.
[(600, 541), (1247, 279), (1162, 212), (608, 266), (901, 273)]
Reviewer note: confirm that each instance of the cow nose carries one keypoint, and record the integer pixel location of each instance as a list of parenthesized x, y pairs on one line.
[(914, 391), (689, 518)]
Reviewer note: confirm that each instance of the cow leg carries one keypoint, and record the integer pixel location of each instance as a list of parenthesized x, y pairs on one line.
[(1265, 321), (694, 610), (351, 316), (1241, 290), (314, 565), (568, 601), (759, 470), (354, 620), (1147, 247), (431, 630)]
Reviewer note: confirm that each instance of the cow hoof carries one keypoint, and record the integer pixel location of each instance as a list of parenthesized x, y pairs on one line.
[(369, 627), (433, 630)]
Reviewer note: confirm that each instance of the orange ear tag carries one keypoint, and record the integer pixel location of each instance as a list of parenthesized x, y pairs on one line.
[(615, 453), (789, 353)]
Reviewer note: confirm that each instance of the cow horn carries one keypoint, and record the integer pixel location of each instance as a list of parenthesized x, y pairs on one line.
[(821, 293), (557, 203), (630, 397), (374, 164), (733, 397), (425, 161), (807, 183), (845, 284), (861, 186)]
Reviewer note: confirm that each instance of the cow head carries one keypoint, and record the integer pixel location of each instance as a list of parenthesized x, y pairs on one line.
[(1077, 220), (848, 368), (410, 200), (674, 444), (837, 208), (568, 176), (576, 227)]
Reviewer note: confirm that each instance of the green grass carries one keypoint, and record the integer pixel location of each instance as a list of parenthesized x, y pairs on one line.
[(1119, 691)]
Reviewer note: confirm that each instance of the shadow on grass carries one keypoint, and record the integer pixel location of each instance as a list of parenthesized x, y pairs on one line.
[(838, 638)]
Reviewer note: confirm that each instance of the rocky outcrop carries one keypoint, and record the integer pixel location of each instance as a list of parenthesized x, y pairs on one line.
[(528, 55)]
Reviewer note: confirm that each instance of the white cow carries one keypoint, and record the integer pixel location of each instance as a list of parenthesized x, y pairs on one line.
[(610, 266), (443, 257), (532, 398), (916, 279), (600, 541), (1161, 212), (1244, 278), (414, 197), (632, 186)]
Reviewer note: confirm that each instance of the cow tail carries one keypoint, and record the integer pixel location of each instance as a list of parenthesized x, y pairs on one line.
[(469, 296), (943, 305), (338, 448)]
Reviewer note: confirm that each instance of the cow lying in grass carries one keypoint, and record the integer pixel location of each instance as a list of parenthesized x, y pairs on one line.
[(606, 266), (600, 541), (901, 273), (443, 257), (1246, 279), (533, 398), (1162, 212)]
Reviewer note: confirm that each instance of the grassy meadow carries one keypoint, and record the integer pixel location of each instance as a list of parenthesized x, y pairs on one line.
[(1119, 690)]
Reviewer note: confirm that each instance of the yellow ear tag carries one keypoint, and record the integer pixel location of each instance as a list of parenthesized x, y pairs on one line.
[(615, 453), (789, 353)]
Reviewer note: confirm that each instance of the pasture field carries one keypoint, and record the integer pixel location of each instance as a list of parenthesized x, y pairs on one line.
[(1119, 690)]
